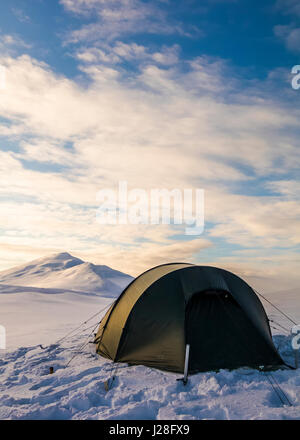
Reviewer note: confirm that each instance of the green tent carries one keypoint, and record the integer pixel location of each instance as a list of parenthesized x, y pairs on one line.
[(172, 305)]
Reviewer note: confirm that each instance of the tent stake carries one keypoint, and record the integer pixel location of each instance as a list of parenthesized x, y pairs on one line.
[(186, 364), (184, 379)]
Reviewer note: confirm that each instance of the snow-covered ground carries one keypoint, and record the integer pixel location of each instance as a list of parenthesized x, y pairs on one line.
[(78, 392), (40, 314)]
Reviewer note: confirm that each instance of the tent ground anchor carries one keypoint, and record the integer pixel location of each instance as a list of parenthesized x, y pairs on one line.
[(184, 379)]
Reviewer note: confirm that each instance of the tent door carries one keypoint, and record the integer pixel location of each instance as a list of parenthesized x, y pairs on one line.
[(220, 334)]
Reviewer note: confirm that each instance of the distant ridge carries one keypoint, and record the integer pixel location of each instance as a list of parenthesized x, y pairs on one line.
[(64, 271)]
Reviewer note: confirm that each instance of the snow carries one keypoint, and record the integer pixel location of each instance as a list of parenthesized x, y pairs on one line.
[(44, 312), (78, 392), (45, 298), (35, 317), (63, 271)]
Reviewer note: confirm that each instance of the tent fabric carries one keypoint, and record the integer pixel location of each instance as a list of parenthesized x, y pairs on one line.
[(168, 306)]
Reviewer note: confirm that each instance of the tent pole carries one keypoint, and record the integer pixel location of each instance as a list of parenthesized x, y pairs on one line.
[(186, 363)]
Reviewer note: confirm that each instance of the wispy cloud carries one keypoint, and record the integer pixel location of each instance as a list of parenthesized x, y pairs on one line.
[(146, 114), (21, 15), (291, 7), (9, 43), (120, 52), (114, 18), (290, 34), (169, 121)]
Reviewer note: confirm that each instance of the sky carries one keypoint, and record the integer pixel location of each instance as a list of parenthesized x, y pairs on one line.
[(160, 94)]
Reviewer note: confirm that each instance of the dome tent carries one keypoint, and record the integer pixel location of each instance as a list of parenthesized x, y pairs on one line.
[(214, 311)]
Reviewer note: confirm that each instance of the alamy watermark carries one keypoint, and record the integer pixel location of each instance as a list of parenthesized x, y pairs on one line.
[(296, 339), (2, 338), (122, 206), (2, 77), (296, 78)]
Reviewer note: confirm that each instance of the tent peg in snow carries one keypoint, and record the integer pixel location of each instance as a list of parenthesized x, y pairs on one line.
[(212, 310)]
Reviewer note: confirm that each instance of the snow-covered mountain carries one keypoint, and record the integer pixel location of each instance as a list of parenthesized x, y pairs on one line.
[(63, 271)]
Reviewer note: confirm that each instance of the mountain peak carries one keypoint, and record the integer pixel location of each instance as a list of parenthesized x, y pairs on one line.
[(62, 255), (64, 271)]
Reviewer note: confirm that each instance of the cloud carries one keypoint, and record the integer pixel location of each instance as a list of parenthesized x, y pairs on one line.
[(47, 103), (120, 52), (145, 114), (20, 15), (255, 221), (85, 6), (127, 260), (161, 126), (290, 35), (114, 18), (45, 151), (164, 114), (15, 254), (290, 189), (182, 119), (269, 271), (153, 254), (291, 7), (9, 43)]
